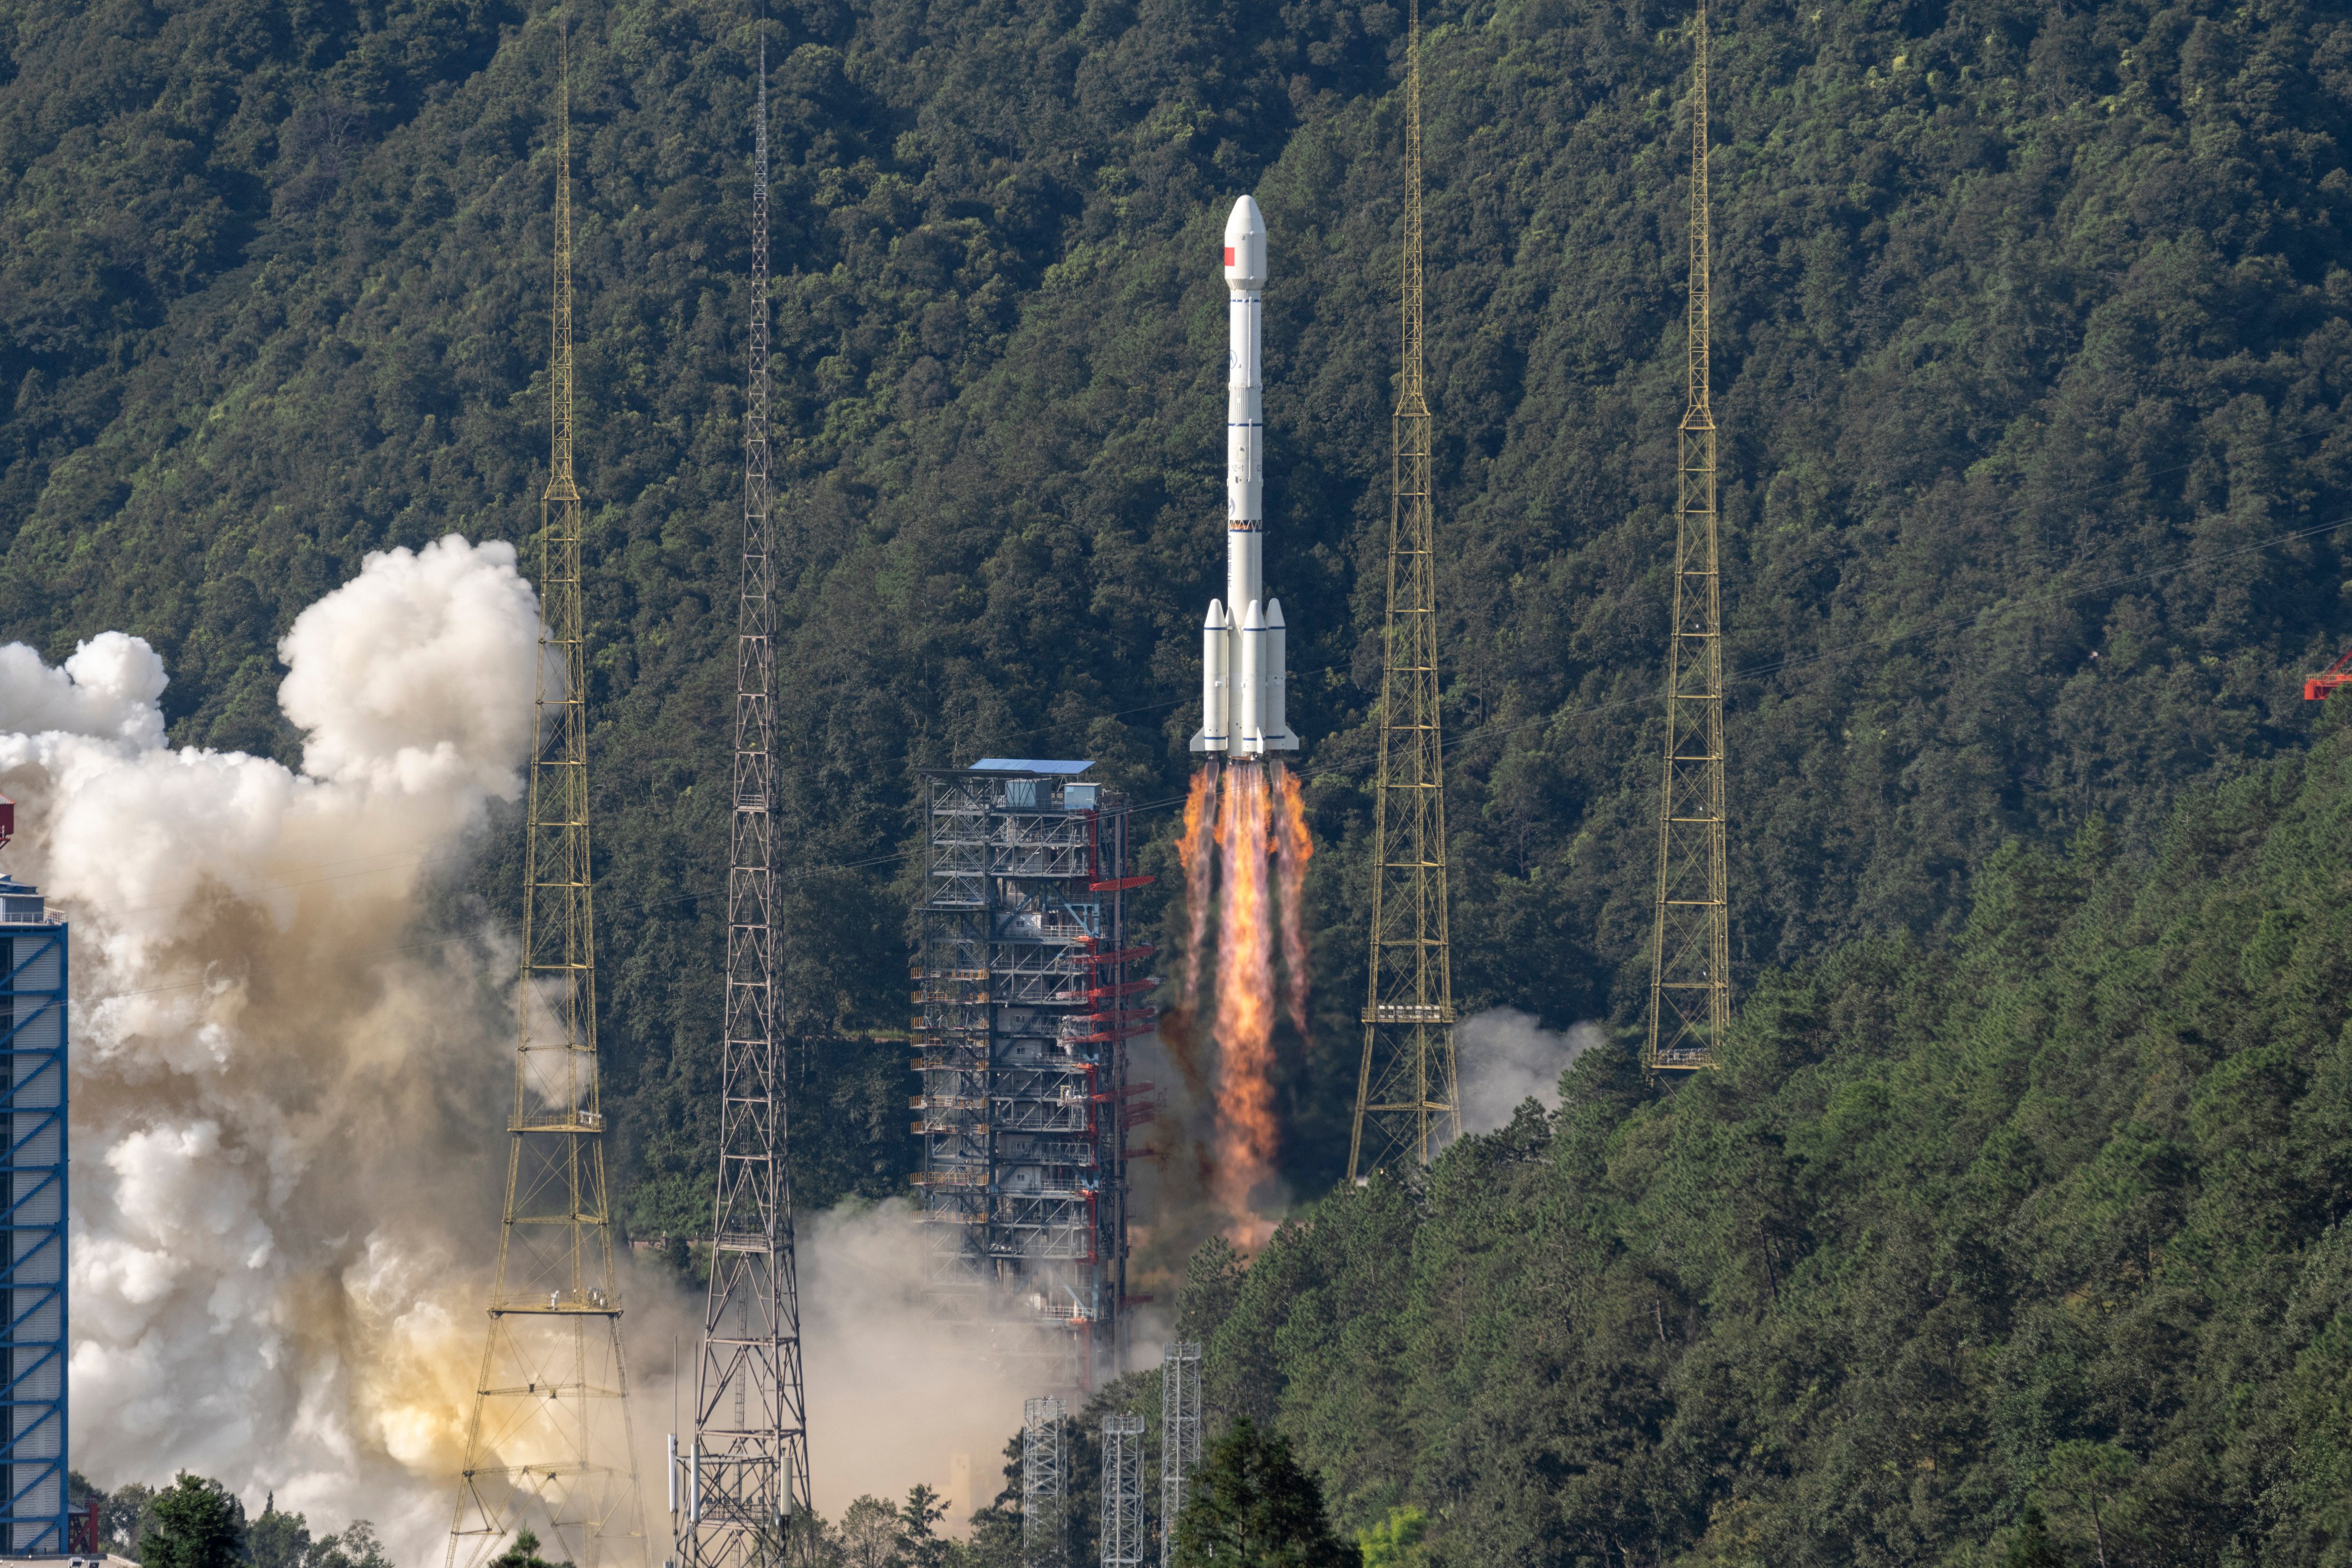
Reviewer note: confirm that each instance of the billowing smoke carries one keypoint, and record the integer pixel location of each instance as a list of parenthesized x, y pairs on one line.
[(288, 1101), (1506, 1057), (896, 1393), (281, 1098)]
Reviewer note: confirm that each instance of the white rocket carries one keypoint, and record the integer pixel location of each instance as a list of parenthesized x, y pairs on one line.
[(1244, 671)]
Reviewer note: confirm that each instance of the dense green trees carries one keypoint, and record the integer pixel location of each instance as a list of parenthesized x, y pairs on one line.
[(1253, 1507), (2020, 1185), (196, 1523), (2030, 323), (2027, 1248)]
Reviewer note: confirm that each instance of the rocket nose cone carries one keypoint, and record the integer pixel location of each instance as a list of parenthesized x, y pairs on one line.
[(1245, 246)]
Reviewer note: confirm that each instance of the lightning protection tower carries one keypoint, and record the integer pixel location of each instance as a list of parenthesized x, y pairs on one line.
[(549, 1446), (1180, 1435), (1043, 1541), (747, 1473), (1690, 956), (1406, 1107), (1122, 1491)]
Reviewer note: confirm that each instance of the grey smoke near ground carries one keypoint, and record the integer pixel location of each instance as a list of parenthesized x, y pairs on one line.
[(1506, 1056)]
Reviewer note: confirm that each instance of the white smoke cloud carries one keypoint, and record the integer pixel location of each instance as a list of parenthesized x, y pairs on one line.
[(1506, 1056), (896, 1394), (278, 1111), (287, 1108)]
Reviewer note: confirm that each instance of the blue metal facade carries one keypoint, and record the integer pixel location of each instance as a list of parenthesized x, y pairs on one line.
[(32, 1199)]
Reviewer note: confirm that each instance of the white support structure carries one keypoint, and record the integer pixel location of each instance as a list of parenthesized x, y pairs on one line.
[(1180, 1435), (1122, 1491), (1044, 1539)]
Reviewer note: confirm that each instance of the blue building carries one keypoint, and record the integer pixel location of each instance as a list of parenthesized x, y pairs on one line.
[(32, 1200)]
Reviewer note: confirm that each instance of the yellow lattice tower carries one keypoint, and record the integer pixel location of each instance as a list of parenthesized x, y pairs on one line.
[(1690, 961), (549, 1447), (1405, 1102)]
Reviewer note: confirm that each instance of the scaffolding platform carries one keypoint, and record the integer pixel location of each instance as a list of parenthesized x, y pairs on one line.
[(1027, 986)]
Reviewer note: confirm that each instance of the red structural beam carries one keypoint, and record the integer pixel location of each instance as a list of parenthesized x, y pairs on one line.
[(1124, 955), (2317, 688), (1120, 884)]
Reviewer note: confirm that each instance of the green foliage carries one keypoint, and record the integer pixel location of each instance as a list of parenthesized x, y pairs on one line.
[(1253, 1507), (2031, 1243), (355, 1547), (2026, 320), (197, 1523), (2031, 1547), (275, 1540), (523, 1553), (124, 1517), (1395, 1542)]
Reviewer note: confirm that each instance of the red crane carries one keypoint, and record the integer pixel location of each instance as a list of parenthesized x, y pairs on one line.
[(2315, 687)]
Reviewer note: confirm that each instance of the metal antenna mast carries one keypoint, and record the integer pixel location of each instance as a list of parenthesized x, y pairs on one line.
[(1405, 1102), (1690, 960), (748, 1475), (550, 1442)]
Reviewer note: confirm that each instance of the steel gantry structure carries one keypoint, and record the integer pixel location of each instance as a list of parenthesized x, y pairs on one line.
[(1027, 995), (548, 1443), (1690, 957), (746, 1465), (1406, 1104)]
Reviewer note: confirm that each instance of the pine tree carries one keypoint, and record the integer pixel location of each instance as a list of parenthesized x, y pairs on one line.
[(197, 1524), (1254, 1506), (2031, 1547)]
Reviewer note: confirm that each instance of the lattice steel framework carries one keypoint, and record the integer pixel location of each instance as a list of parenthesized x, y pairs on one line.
[(1690, 958), (548, 1445), (1027, 994), (1406, 1105), (33, 1324), (1122, 1491), (1043, 1541), (1180, 1435), (747, 1497)]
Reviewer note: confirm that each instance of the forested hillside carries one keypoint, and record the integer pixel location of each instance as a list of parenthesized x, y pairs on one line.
[(2048, 1217), (2031, 351)]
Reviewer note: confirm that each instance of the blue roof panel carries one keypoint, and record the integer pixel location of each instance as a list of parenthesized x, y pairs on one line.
[(1028, 765)]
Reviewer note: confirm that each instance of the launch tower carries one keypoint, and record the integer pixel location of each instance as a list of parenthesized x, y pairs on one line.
[(32, 1462), (1026, 994)]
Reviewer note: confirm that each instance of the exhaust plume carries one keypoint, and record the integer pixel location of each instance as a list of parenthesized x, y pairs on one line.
[(1244, 848), (279, 1186)]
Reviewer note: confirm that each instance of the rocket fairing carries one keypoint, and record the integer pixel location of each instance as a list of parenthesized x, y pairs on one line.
[(1244, 675)]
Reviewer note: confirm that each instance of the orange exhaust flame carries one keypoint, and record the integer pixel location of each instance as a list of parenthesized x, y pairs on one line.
[(1196, 853), (1245, 1017), (1292, 850)]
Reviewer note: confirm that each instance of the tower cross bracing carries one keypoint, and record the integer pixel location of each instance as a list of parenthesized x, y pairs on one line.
[(549, 1446), (1122, 1491), (1406, 1102), (748, 1501), (1690, 960), (1180, 1435)]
